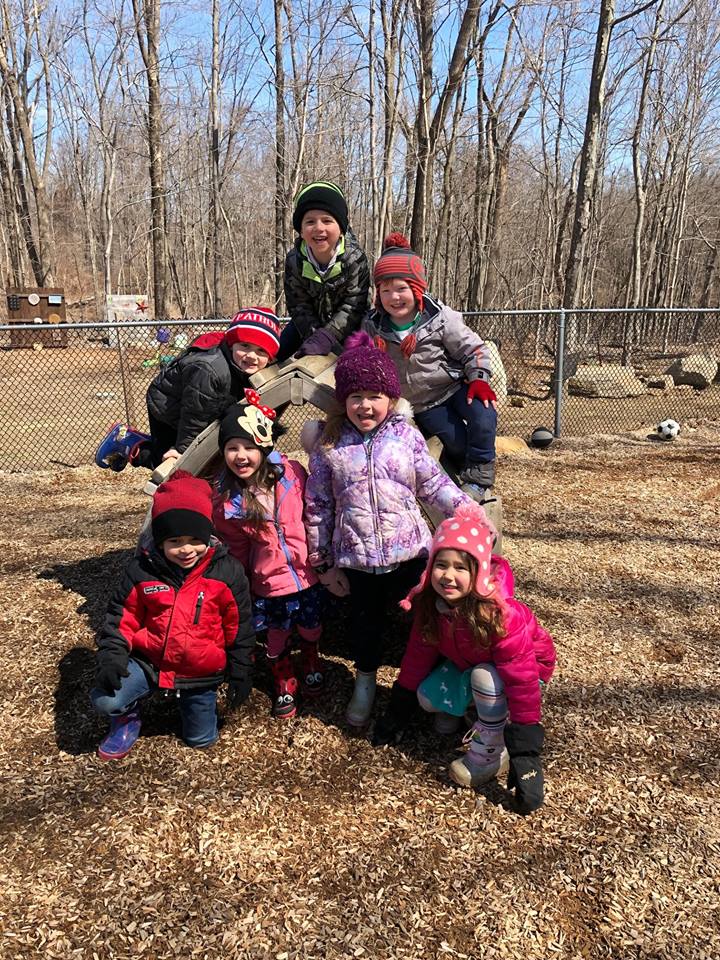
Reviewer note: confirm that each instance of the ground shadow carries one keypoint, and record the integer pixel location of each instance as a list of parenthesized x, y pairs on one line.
[(94, 578)]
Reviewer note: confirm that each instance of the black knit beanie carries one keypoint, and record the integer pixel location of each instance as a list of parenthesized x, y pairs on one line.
[(322, 195)]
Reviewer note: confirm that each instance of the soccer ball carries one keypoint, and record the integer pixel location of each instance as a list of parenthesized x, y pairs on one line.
[(541, 437), (668, 429)]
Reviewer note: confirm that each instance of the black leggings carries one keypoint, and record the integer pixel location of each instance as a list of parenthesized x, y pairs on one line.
[(371, 596)]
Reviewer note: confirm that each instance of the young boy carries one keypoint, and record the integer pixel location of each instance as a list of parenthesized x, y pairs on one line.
[(444, 367), (195, 389), (327, 278), (180, 621)]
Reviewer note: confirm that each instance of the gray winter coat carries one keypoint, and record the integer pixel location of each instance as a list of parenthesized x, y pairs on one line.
[(446, 353), (338, 300)]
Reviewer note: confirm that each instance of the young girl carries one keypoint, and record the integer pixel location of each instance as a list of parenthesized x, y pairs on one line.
[(258, 513), (496, 656), (444, 366), (366, 535), (180, 621)]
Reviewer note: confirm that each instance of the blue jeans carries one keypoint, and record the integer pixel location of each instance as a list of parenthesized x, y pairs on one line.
[(197, 705), (467, 430)]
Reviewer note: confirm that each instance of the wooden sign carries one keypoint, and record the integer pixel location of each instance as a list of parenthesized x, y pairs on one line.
[(41, 306)]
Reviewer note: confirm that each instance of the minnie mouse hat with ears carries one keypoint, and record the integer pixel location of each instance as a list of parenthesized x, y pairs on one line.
[(251, 421), (469, 531)]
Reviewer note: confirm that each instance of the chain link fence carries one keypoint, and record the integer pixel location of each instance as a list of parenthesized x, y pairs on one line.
[(579, 372)]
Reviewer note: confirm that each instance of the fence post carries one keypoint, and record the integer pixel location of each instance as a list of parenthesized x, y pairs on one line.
[(559, 359), (124, 377)]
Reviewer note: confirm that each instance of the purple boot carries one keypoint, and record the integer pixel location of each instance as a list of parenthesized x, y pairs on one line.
[(124, 731)]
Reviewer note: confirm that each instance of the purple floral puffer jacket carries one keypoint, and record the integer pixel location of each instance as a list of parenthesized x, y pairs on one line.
[(361, 497)]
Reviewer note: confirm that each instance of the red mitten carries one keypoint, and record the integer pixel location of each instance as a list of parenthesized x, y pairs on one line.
[(479, 390)]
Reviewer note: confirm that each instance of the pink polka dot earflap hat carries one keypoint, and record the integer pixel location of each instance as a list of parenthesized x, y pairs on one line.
[(468, 530)]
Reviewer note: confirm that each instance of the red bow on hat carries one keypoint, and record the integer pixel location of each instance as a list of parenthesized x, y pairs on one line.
[(253, 397)]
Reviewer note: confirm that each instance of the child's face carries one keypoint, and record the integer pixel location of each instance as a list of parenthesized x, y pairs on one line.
[(367, 410), (451, 576), (321, 232), (184, 552), (242, 457), (249, 358), (398, 300)]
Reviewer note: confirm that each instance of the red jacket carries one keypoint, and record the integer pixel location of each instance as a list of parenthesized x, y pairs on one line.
[(182, 630), (525, 655), (275, 557)]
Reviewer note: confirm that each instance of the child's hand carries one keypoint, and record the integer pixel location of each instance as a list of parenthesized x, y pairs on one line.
[(110, 671), (318, 344), (237, 693), (171, 454), (479, 390), (335, 581)]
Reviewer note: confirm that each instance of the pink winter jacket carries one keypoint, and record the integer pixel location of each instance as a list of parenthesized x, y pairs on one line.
[(525, 655), (275, 557)]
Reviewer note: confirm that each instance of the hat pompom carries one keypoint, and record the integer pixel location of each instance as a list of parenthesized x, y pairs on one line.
[(396, 240), (359, 339), (472, 512)]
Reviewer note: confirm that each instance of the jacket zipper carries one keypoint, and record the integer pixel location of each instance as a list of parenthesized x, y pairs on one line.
[(373, 501), (282, 541), (198, 607)]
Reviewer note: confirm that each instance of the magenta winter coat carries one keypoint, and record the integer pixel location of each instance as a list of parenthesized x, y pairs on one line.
[(275, 557), (525, 655), (361, 497)]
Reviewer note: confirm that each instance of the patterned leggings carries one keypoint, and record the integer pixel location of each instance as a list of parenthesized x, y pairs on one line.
[(488, 694)]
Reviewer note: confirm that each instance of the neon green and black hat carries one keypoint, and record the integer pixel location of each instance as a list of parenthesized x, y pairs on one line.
[(322, 195)]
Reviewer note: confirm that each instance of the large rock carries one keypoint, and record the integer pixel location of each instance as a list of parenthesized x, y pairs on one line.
[(696, 370), (498, 380), (605, 380)]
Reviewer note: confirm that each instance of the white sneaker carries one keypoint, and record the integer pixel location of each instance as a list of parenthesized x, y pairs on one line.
[(445, 723), (360, 707)]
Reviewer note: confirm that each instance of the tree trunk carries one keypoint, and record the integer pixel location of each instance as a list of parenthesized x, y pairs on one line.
[(588, 159), (147, 28)]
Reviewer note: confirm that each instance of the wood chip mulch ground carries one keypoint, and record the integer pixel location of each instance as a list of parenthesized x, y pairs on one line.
[(299, 839)]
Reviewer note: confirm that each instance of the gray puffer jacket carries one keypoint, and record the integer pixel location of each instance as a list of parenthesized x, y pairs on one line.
[(195, 389), (337, 300), (446, 353)]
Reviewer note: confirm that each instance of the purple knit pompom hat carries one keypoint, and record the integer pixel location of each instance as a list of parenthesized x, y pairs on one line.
[(363, 366)]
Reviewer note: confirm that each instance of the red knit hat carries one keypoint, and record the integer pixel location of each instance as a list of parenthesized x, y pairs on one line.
[(399, 261), (470, 532), (182, 507), (256, 325)]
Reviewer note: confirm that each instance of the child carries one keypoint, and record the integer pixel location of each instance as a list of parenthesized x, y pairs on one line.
[(327, 278), (180, 621), (436, 354), (195, 389), (497, 657), (258, 512), (366, 534)]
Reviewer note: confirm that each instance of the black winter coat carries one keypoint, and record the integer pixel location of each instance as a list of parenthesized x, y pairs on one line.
[(195, 389), (338, 301)]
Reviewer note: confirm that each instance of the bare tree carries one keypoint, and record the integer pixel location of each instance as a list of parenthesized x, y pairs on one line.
[(147, 29)]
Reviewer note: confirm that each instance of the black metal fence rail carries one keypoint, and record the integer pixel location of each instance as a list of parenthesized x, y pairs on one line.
[(576, 372)]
